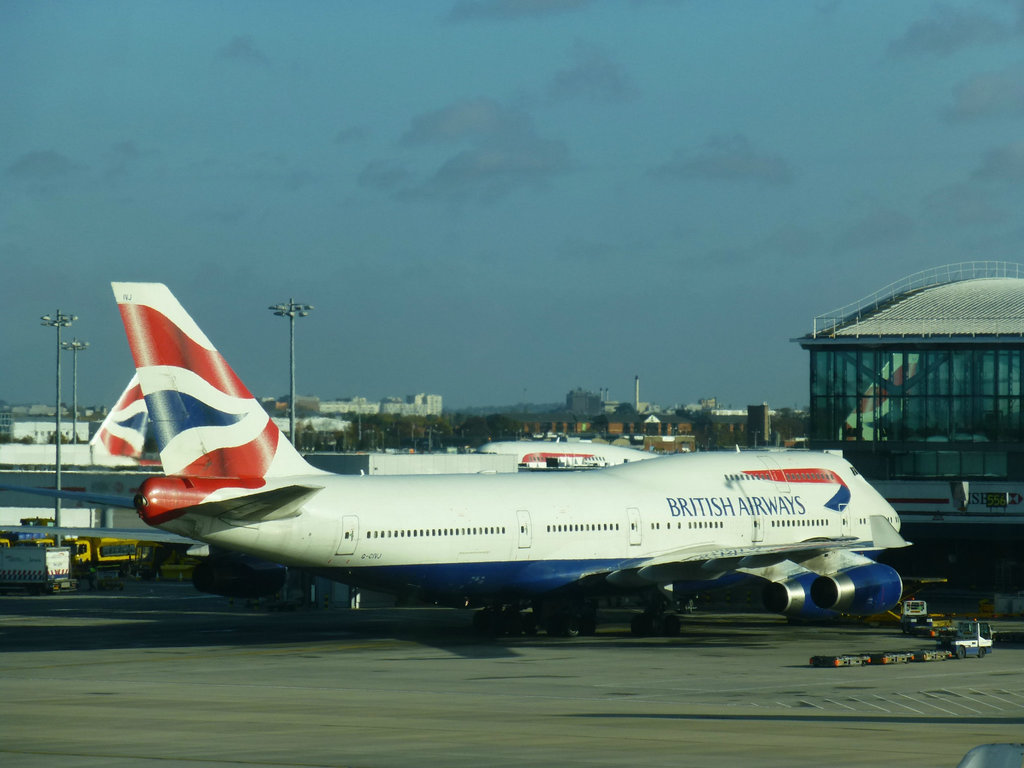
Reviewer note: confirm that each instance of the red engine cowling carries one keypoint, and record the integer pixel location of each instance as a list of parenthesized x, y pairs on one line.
[(161, 499)]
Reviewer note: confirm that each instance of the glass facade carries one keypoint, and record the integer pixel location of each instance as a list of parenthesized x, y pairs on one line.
[(957, 396)]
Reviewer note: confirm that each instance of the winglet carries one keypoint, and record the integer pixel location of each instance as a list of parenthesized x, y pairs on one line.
[(884, 536)]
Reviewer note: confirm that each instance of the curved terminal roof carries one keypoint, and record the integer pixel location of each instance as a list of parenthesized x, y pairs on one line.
[(975, 299)]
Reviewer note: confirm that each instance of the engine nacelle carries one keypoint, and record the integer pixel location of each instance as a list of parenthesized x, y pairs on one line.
[(792, 598), (238, 576), (862, 591)]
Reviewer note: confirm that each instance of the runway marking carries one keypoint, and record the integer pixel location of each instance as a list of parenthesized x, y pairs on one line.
[(839, 704), (920, 712), (965, 696), (999, 698), (868, 703)]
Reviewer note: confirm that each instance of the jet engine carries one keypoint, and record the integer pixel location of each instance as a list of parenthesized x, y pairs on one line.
[(792, 598), (238, 576), (863, 590)]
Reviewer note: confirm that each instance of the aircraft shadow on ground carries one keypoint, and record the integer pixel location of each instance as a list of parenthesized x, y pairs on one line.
[(180, 618)]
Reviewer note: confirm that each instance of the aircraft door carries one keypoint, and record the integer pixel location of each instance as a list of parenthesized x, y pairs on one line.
[(776, 474), (757, 532), (525, 536), (635, 534), (349, 535)]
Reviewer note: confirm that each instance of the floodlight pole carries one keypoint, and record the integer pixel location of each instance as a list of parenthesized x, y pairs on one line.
[(74, 346), (291, 310), (58, 321)]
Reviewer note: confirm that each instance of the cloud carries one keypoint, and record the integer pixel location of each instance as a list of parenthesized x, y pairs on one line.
[(500, 150), (594, 76), (964, 205), (41, 165), (792, 241), (473, 119), (990, 95), (726, 159), (350, 135), (495, 170), (471, 10), (1002, 164), (948, 31), (878, 228), (242, 48), (383, 175), (121, 158)]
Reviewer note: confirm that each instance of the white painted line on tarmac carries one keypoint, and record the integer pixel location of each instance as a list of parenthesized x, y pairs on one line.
[(868, 703)]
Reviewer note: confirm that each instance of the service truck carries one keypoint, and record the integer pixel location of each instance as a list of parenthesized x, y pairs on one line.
[(36, 569), (915, 620), (968, 638)]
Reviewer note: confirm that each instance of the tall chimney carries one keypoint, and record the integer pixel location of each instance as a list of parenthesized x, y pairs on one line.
[(636, 396)]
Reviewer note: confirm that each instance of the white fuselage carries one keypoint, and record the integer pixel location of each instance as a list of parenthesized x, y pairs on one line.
[(534, 532)]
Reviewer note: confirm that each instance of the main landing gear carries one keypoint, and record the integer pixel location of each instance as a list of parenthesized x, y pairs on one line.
[(656, 620), (648, 624), (556, 618)]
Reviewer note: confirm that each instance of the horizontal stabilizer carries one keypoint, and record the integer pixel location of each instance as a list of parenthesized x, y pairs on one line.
[(278, 504), (95, 499)]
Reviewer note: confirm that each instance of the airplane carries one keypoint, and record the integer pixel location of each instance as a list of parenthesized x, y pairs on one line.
[(545, 455), (122, 434), (803, 523)]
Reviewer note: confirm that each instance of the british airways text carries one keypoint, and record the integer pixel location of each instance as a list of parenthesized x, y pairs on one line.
[(724, 506)]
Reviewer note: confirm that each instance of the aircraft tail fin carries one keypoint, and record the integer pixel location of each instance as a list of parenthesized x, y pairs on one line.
[(123, 431), (207, 424)]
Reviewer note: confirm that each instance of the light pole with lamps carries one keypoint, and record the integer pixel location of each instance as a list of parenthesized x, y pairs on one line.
[(291, 310), (74, 347), (58, 321)]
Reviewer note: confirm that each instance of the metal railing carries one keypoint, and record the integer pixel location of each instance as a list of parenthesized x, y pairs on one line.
[(828, 323)]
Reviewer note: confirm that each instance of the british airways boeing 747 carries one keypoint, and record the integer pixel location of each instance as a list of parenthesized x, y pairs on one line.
[(805, 524)]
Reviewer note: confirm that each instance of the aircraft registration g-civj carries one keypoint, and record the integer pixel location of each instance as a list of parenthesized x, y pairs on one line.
[(804, 523)]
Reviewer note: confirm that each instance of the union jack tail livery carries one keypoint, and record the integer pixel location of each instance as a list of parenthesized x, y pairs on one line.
[(207, 424), (123, 432)]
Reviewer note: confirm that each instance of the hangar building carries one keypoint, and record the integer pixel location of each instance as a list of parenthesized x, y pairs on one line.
[(921, 386)]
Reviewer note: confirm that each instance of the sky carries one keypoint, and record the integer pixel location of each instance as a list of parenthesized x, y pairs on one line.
[(496, 200)]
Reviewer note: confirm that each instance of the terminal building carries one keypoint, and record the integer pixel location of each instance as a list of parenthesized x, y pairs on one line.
[(920, 387)]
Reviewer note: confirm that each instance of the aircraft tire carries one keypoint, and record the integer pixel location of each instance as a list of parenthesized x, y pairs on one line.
[(670, 625), (642, 625), (563, 626), (483, 621)]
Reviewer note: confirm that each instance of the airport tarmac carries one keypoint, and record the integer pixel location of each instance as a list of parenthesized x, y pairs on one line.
[(160, 675)]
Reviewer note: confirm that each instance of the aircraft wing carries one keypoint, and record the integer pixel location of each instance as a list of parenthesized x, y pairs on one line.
[(99, 499), (709, 561)]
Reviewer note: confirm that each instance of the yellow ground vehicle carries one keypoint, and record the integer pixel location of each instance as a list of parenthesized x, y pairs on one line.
[(103, 562)]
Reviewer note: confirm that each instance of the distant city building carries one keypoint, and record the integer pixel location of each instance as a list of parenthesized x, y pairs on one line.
[(412, 405), (759, 425), (41, 432), (351, 405), (583, 402)]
